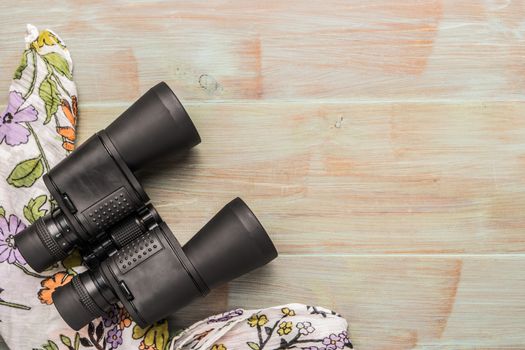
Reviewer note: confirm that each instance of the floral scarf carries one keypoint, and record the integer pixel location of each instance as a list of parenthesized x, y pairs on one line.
[(292, 326), (37, 130)]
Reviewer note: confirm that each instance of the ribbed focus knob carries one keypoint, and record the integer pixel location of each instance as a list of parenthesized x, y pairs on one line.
[(126, 231)]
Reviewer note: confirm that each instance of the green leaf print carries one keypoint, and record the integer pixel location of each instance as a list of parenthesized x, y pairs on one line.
[(59, 63), (51, 345), (2, 211), (76, 346), (26, 172), (253, 345), (22, 66), (48, 92), (65, 340), (33, 210), (72, 260)]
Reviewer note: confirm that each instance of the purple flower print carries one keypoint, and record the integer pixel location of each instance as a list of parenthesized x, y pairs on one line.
[(336, 341), (112, 317), (225, 316), (114, 337), (8, 229), (333, 342), (10, 129), (344, 337)]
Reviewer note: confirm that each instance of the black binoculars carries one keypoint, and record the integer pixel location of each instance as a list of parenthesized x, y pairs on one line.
[(131, 254)]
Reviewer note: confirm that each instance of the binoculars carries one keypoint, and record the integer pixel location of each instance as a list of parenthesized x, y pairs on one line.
[(133, 258)]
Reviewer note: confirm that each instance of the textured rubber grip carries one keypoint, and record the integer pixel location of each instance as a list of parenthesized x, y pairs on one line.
[(126, 231), (85, 299), (48, 241)]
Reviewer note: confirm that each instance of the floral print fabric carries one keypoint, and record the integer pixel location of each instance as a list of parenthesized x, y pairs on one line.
[(36, 129), (8, 229), (12, 130), (292, 326)]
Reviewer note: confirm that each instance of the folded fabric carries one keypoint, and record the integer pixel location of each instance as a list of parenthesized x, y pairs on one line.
[(37, 130), (292, 326)]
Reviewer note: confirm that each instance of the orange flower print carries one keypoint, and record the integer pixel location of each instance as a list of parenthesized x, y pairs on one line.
[(143, 346), (125, 319), (50, 284), (68, 132)]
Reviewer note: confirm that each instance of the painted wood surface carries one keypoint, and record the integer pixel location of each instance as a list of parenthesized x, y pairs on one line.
[(381, 143)]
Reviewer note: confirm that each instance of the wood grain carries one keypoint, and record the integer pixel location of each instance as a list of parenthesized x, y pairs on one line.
[(381, 143), (397, 302), (351, 50), (352, 178)]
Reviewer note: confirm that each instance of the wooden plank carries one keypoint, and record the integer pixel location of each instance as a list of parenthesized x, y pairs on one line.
[(352, 178), (396, 302), (392, 302), (377, 50)]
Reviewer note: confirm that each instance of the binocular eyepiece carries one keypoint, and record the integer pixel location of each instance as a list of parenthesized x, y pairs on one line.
[(132, 256)]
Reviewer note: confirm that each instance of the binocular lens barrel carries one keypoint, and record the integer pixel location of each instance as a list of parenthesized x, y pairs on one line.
[(153, 277), (99, 175), (46, 241), (155, 125), (230, 245)]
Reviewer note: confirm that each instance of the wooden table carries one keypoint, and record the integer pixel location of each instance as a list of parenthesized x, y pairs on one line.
[(381, 143)]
